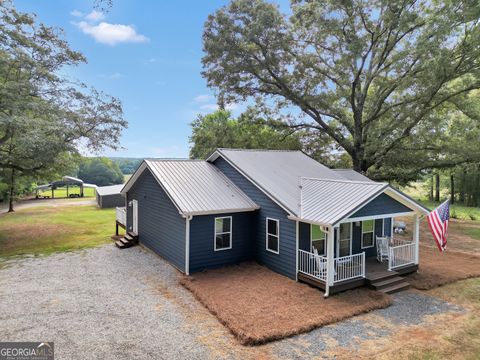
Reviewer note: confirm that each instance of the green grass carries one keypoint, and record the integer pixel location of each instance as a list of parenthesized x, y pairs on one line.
[(62, 192), (44, 230)]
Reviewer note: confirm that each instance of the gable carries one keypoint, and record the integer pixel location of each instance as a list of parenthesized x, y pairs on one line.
[(382, 204)]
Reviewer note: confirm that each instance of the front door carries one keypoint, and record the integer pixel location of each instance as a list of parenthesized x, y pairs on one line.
[(344, 246), (135, 216)]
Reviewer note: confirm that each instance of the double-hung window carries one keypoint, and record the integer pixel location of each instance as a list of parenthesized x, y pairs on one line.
[(367, 233), (223, 233), (273, 235), (318, 239)]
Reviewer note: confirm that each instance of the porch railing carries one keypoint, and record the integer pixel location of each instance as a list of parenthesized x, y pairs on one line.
[(345, 267), (401, 255), (121, 214), (349, 267), (313, 265)]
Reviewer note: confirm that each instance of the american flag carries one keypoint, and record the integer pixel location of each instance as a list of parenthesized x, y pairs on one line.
[(438, 222)]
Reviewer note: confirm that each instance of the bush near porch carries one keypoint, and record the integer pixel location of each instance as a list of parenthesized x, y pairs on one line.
[(258, 305)]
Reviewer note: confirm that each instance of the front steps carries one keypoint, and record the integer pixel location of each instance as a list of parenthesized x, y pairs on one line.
[(128, 240), (388, 282)]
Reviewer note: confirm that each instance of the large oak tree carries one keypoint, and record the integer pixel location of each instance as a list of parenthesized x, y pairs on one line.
[(371, 74)]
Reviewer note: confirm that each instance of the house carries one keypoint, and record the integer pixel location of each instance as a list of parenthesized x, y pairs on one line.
[(109, 196), (280, 208)]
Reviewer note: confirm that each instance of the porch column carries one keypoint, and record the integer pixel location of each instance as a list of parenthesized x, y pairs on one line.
[(330, 260), (416, 231)]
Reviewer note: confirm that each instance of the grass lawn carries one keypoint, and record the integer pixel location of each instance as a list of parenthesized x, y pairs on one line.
[(44, 230), (62, 192)]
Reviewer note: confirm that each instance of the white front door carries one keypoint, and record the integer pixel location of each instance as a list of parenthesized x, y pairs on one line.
[(135, 216), (344, 243)]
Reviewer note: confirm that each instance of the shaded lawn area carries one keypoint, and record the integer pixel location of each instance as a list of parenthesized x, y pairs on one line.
[(43, 230), (438, 268), (258, 305), (62, 192)]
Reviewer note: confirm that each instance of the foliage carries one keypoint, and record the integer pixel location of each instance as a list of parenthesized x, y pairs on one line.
[(63, 229), (100, 171), (374, 76), (127, 165), (45, 117), (248, 131)]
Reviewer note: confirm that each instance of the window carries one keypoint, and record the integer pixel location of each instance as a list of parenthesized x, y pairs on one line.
[(345, 239), (273, 235), (367, 233), (223, 233), (318, 239)]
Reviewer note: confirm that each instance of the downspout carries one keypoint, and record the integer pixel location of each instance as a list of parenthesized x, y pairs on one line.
[(187, 244), (296, 249)]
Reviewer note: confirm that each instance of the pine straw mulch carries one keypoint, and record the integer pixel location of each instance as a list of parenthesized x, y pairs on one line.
[(438, 269), (258, 305)]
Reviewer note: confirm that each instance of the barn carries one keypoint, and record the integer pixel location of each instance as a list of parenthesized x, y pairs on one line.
[(110, 196)]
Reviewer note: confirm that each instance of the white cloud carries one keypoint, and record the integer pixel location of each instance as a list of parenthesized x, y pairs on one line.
[(111, 34), (211, 107), (202, 98), (113, 76), (95, 16), (76, 13)]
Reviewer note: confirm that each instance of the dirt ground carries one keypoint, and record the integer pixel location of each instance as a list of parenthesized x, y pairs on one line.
[(438, 268), (258, 305)]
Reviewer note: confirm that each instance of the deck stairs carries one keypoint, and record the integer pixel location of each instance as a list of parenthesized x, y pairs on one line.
[(388, 282), (128, 240)]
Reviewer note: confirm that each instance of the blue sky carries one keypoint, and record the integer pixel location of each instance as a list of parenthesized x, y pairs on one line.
[(146, 53)]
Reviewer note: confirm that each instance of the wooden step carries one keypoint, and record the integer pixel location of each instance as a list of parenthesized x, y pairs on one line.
[(386, 283), (120, 244), (379, 276), (125, 241), (128, 237), (396, 288)]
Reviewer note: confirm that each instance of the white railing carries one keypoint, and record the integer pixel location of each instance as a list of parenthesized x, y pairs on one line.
[(121, 215), (349, 267), (397, 242), (313, 265), (346, 267), (401, 255)]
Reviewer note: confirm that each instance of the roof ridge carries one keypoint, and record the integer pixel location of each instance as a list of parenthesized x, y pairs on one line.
[(344, 181), (260, 150), (173, 159)]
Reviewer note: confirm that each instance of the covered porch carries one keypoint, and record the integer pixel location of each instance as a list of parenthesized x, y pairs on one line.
[(342, 251)]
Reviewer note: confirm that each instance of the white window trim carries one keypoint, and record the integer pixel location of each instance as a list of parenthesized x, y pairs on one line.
[(278, 235), (351, 240), (367, 232), (221, 233), (324, 239)]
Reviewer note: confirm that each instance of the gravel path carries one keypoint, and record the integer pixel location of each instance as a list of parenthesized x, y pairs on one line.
[(104, 303)]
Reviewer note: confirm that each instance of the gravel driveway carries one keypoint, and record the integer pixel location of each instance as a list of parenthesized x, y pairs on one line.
[(104, 303)]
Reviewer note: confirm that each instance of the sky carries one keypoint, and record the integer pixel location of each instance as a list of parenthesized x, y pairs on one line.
[(146, 53)]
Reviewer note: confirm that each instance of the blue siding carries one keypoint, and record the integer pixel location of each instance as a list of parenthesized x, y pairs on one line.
[(382, 204), (284, 262), (160, 227), (202, 254)]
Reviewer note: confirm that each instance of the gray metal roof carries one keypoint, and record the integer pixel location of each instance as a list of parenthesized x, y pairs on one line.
[(327, 201), (277, 172), (109, 190), (196, 187), (350, 174)]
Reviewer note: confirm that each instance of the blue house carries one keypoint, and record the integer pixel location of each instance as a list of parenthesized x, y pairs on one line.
[(280, 208)]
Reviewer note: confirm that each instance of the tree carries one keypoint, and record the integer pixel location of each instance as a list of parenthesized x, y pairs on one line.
[(368, 74), (100, 171), (219, 129), (43, 115)]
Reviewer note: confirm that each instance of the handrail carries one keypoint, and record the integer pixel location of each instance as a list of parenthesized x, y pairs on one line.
[(121, 215), (401, 255), (312, 265)]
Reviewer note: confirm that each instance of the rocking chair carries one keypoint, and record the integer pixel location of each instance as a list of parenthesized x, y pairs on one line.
[(382, 248)]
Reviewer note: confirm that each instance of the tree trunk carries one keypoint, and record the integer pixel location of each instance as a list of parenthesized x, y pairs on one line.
[(12, 192), (437, 187), (463, 184), (430, 194), (452, 189)]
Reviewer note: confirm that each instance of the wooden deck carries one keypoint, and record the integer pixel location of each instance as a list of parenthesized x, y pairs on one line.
[(377, 277)]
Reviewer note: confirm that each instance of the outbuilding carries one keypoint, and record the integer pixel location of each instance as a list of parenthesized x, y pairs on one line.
[(110, 196)]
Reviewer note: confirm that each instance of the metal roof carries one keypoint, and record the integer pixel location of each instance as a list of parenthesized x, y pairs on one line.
[(196, 187), (109, 190), (276, 172), (350, 174), (327, 201)]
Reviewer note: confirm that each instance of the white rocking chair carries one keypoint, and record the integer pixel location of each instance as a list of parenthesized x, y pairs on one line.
[(321, 265), (382, 248)]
